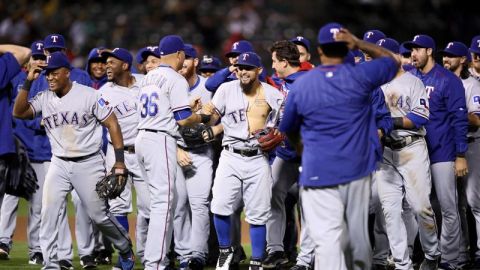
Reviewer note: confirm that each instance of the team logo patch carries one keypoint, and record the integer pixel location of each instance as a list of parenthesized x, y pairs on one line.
[(423, 102), (103, 102), (476, 99)]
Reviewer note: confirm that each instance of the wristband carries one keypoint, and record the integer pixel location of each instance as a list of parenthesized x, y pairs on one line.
[(205, 118), (461, 155), (119, 155), (397, 122), (27, 84)]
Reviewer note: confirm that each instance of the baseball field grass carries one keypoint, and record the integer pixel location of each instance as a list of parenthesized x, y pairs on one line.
[(19, 253)]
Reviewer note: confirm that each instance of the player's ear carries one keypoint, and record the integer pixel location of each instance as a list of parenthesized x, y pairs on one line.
[(260, 70), (429, 51), (463, 60), (319, 50), (124, 66), (308, 56), (195, 62)]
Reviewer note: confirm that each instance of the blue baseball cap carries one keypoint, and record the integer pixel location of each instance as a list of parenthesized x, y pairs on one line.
[(138, 56), (456, 49), (239, 47), (249, 59), (209, 63), (121, 54), (150, 50), (475, 45), (190, 51), (373, 36), (389, 44), (57, 60), (420, 41), (54, 41), (404, 50), (299, 40), (170, 44), (37, 48), (327, 33)]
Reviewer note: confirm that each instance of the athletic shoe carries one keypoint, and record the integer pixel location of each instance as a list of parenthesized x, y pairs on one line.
[(37, 258), (429, 265), (300, 267), (195, 264), (65, 265), (275, 259), (127, 261), (446, 266), (4, 251), (103, 257), (255, 265), (225, 258), (88, 262)]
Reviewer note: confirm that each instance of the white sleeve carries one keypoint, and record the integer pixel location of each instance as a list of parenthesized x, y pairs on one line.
[(473, 100), (101, 108), (179, 95), (36, 103), (218, 100), (420, 104)]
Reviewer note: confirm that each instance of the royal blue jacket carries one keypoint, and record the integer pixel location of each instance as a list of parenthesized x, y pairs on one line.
[(448, 124), (331, 107)]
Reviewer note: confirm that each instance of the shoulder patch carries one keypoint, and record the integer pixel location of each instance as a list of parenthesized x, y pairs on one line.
[(103, 102)]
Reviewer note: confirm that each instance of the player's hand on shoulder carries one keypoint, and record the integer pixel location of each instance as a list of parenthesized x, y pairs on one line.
[(347, 37), (208, 109), (183, 158), (34, 70)]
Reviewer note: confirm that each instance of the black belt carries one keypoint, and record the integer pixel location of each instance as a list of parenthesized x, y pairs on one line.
[(77, 159), (399, 144), (243, 152), (471, 139), (151, 130)]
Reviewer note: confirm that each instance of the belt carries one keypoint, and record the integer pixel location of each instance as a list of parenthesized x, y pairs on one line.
[(128, 148), (244, 152), (151, 130), (471, 139), (399, 144), (78, 159)]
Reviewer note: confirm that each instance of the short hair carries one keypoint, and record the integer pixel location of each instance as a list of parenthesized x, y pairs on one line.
[(335, 50), (286, 50)]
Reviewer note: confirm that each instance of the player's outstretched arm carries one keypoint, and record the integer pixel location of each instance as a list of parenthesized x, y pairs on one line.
[(111, 123), (21, 108), (22, 54)]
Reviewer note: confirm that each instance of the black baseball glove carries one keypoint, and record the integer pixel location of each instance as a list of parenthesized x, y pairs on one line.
[(193, 135), (112, 185)]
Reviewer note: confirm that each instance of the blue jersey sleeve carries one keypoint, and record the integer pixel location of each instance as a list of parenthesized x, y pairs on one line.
[(216, 79), (383, 119), (9, 67), (417, 120), (377, 72), (291, 118), (456, 105)]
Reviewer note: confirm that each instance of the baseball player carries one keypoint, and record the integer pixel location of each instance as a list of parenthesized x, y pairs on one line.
[(243, 171), (95, 67), (475, 54), (455, 58), (164, 105), (372, 36), (121, 92), (139, 65), (446, 140), (399, 178), (209, 65), (151, 58), (303, 46), (71, 114), (336, 193), (194, 180), (285, 169)]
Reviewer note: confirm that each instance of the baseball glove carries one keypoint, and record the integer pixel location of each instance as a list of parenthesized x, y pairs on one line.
[(112, 185), (267, 138), (193, 136)]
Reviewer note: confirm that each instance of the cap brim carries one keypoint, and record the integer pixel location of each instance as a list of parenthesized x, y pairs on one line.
[(50, 68), (447, 53), (145, 54), (301, 44), (232, 54), (245, 65), (410, 45), (474, 51)]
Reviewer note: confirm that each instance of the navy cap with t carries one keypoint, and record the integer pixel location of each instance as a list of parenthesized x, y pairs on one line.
[(373, 36), (57, 60), (420, 41), (475, 45), (239, 47), (327, 33), (455, 48), (150, 50), (37, 48), (54, 41), (209, 63), (299, 40), (170, 44), (121, 54), (190, 51), (249, 59), (389, 44)]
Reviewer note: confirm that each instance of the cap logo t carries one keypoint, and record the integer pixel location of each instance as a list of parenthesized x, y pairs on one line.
[(245, 56), (415, 38), (369, 34), (381, 41), (449, 45), (299, 38), (114, 50), (478, 41), (334, 31), (235, 45), (54, 38), (48, 59), (39, 46)]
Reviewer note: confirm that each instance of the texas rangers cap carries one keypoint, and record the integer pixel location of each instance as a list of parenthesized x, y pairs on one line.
[(299, 40), (475, 46), (57, 60), (249, 59), (37, 48), (455, 49), (327, 33), (170, 44), (404, 50), (121, 54), (138, 57), (54, 41), (209, 63), (190, 51), (373, 36), (239, 47), (150, 50), (95, 55), (420, 41), (389, 44)]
